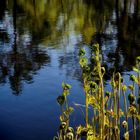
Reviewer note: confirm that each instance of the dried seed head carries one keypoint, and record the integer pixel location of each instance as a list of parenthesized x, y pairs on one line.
[(63, 125), (81, 52), (69, 136), (86, 69), (95, 47), (61, 100), (131, 98), (124, 124), (93, 85), (132, 110), (70, 129)]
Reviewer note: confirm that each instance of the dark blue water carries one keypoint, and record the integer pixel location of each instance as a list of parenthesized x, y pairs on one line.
[(39, 44)]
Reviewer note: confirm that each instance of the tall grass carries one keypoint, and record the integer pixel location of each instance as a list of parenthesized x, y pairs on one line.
[(109, 118)]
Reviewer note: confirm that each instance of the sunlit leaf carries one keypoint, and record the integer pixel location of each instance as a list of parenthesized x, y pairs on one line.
[(95, 47), (81, 130), (138, 59), (131, 87), (65, 93), (106, 121), (135, 69), (68, 111), (126, 136), (121, 113), (124, 87), (133, 78), (91, 135), (92, 101), (83, 62), (61, 118), (110, 113), (66, 86)]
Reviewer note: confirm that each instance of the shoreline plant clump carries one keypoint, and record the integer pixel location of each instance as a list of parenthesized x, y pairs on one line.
[(109, 118)]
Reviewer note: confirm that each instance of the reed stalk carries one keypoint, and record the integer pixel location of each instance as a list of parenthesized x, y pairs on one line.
[(106, 107), (125, 103)]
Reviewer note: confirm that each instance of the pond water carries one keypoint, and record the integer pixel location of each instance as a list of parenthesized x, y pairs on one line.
[(39, 44)]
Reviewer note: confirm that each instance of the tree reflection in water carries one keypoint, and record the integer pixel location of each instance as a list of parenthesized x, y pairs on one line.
[(120, 38), (117, 32), (113, 24), (18, 62)]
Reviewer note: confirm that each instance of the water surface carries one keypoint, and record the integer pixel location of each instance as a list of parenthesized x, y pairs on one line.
[(39, 44)]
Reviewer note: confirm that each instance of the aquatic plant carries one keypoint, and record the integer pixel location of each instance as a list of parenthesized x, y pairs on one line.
[(65, 132), (109, 118)]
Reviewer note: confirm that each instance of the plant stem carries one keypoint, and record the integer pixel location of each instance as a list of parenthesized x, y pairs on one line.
[(125, 105), (119, 88), (139, 103), (134, 127), (86, 110), (86, 102), (67, 107), (102, 103)]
